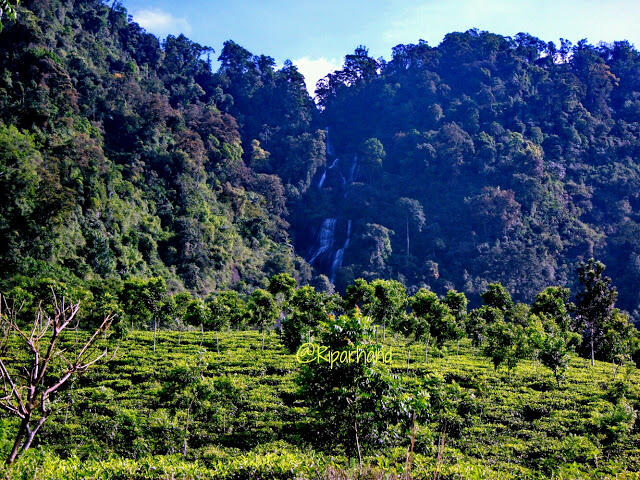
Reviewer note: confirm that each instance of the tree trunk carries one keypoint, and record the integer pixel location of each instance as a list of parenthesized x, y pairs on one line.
[(384, 330), (592, 354), (355, 424), (439, 459), (32, 434), (457, 348), (426, 351), (217, 344), (186, 433), (155, 329), (408, 356), (22, 431), (409, 461), (262, 339)]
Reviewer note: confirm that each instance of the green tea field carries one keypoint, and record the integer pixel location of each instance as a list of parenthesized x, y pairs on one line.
[(218, 406)]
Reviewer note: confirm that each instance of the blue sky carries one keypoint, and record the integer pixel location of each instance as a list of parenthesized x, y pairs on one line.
[(316, 35)]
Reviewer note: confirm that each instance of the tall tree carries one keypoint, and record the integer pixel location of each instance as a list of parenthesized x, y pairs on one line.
[(498, 297), (620, 339), (143, 301), (307, 309), (412, 213), (435, 320), (262, 310), (554, 302), (506, 343), (457, 303), (389, 301), (595, 305), (552, 343)]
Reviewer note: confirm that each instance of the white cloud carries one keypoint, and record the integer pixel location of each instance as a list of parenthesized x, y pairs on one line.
[(161, 23), (314, 69)]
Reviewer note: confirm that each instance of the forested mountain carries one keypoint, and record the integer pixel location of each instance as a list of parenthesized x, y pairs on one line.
[(486, 158), (118, 159), (483, 159)]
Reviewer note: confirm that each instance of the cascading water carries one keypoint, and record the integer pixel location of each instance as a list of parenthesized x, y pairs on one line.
[(324, 254), (339, 256), (325, 238), (329, 147), (329, 150), (337, 263), (354, 167), (322, 178)]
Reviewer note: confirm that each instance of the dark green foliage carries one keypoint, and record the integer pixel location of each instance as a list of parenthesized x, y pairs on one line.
[(497, 296), (282, 285), (554, 302), (307, 308), (506, 343), (457, 303), (522, 156), (262, 311), (121, 162), (142, 300), (595, 305), (227, 308), (388, 301), (551, 343), (352, 403), (620, 339), (439, 323)]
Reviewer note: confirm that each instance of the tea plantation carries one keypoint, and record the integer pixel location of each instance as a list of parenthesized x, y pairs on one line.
[(215, 405)]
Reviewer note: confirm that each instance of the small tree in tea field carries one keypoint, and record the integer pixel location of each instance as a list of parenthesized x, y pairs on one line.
[(354, 404)]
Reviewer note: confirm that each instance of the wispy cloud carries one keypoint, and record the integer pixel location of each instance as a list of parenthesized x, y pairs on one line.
[(161, 23), (314, 69)]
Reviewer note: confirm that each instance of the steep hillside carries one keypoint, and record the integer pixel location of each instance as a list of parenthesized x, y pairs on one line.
[(482, 159), (117, 161)]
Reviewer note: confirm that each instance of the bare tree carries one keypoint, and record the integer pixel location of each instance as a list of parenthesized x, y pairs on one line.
[(28, 386)]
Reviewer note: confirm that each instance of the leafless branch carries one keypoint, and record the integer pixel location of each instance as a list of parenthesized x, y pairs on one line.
[(26, 396)]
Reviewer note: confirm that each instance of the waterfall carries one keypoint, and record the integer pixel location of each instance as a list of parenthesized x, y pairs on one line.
[(337, 260), (322, 178), (346, 243), (329, 147), (325, 238), (323, 250), (354, 166), (337, 263)]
